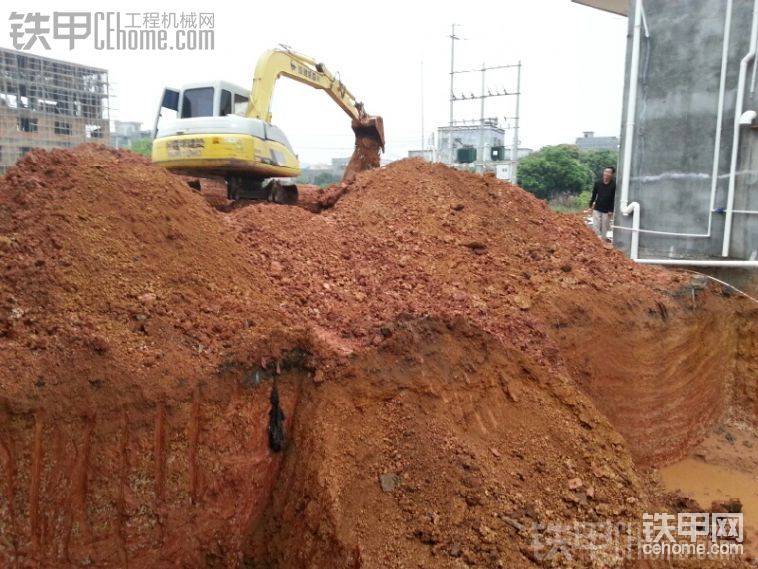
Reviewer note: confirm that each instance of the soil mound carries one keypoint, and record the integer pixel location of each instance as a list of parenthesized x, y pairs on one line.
[(107, 256), (426, 336), (423, 239), (132, 334)]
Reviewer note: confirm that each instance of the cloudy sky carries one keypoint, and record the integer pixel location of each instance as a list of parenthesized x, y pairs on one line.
[(392, 55)]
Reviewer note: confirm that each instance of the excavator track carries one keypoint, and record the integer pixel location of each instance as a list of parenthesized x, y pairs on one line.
[(254, 189)]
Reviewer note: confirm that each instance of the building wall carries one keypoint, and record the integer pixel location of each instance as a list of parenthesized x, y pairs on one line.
[(673, 147), (46, 103)]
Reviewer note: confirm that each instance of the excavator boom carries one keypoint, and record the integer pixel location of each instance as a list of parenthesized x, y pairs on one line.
[(276, 63)]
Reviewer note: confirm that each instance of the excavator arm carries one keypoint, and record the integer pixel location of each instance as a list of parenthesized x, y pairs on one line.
[(279, 62), (275, 63)]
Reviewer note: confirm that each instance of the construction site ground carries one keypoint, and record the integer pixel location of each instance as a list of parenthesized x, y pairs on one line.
[(458, 367)]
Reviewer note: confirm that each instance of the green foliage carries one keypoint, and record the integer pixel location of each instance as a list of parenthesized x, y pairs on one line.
[(554, 170), (142, 146), (325, 179), (567, 203), (597, 160)]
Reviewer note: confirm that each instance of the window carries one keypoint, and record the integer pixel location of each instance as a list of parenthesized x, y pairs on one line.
[(7, 100), (240, 104), (24, 150), (25, 124), (62, 127), (226, 103), (170, 99), (93, 131), (197, 102)]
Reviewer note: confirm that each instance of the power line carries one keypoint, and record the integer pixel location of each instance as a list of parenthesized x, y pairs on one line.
[(484, 94)]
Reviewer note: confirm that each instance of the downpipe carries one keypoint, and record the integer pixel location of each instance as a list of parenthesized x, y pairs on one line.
[(633, 208), (716, 142), (738, 110), (625, 207)]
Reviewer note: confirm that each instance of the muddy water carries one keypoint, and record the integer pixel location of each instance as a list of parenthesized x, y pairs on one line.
[(707, 483)]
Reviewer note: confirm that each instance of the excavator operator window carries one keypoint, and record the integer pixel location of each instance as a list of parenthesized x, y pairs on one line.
[(197, 102), (226, 103), (240, 104)]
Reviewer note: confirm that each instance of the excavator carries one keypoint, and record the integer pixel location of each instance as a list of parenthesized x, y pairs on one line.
[(221, 130)]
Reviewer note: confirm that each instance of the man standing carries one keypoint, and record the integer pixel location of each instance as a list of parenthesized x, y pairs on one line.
[(601, 202)]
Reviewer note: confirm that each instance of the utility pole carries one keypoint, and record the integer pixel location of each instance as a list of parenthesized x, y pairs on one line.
[(485, 94), (453, 37), (515, 143), (423, 143), (481, 120)]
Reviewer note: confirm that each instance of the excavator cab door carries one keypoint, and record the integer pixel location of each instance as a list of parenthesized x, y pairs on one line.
[(169, 102)]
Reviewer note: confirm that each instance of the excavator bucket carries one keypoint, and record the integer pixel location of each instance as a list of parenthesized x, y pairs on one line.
[(369, 143), (370, 126)]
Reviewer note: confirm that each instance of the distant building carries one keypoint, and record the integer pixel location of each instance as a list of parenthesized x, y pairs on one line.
[(591, 142), (464, 143), (125, 133), (427, 155), (323, 173), (48, 103)]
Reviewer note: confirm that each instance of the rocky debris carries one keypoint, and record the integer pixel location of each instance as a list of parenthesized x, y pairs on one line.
[(389, 482)]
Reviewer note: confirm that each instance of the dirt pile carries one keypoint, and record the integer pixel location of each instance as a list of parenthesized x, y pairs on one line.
[(440, 449), (422, 239), (426, 334), (132, 333), (103, 253)]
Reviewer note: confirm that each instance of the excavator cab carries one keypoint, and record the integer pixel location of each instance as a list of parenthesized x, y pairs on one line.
[(201, 129)]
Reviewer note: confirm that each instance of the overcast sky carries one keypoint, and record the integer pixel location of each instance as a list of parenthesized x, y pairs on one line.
[(573, 64)]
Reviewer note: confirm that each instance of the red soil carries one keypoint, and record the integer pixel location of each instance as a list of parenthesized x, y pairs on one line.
[(437, 327)]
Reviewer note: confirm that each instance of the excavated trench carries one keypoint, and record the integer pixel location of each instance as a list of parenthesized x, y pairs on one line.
[(151, 483), (439, 398), (405, 452), (663, 376)]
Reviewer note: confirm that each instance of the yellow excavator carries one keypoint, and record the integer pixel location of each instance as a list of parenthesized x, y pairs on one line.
[(221, 130)]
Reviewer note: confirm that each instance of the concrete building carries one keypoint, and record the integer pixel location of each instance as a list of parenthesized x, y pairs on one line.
[(125, 133), (588, 141), (688, 180), (474, 147), (450, 139), (47, 103)]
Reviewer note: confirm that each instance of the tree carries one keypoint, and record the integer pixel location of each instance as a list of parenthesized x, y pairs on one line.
[(597, 160), (325, 179), (554, 170), (142, 146)]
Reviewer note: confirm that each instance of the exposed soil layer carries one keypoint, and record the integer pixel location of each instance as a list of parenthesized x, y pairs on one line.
[(455, 363), (441, 448), (413, 238)]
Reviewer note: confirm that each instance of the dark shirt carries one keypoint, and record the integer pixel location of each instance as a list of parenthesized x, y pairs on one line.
[(603, 196)]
